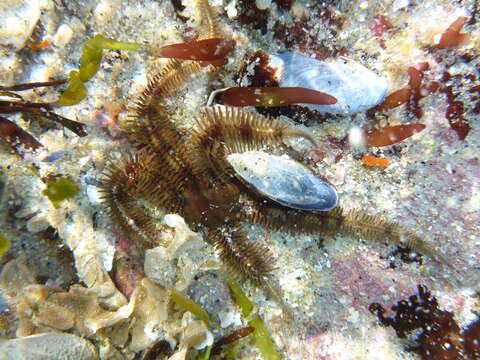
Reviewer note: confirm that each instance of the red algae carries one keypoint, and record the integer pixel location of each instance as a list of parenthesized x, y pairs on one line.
[(41, 45), (455, 110), (395, 99), (380, 25), (392, 134), (452, 36), (412, 94), (436, 333), (200, 50), (233, 337), (17, 138), (263, 75), (274, 96)]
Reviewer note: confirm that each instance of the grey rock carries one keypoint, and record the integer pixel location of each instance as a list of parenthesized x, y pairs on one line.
[(19, 18), (48, 346)]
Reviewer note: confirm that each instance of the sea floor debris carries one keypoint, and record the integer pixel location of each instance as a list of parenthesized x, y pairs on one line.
[(70, 255)]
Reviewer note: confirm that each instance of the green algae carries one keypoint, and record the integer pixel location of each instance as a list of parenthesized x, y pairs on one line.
[(62, 189), (93, 51), (4, 245), (89, 64), (240, 298), (263, 340), (75, 91), (205, 354), (261, 337), (191, 306)]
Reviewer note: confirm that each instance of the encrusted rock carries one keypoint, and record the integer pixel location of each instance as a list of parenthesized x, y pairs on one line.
[(19, 18), (49, 346)]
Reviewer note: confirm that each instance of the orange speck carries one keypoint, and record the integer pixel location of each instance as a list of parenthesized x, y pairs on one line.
[(40, 46), (369, 160)]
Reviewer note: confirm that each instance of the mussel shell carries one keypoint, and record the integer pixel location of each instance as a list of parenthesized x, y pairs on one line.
[(284, 181), (355, 87)]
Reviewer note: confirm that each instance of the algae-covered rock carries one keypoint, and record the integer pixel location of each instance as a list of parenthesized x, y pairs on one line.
[(19, 18), (54, 346)]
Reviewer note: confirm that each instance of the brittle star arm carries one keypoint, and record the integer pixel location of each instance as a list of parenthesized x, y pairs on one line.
[(339, 222), (244, 258), (222, 131), (126, 183)]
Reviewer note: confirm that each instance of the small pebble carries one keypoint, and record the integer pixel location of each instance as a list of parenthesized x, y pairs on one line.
[(63, 36)]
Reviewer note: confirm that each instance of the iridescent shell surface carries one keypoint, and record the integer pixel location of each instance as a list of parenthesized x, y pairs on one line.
[(284, 181), (355, 87)]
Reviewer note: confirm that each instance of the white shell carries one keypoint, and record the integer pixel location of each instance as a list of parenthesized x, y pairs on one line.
[(284, 181), (355, 87)]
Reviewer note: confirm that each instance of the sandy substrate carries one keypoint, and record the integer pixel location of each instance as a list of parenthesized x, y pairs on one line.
[(431, 187)]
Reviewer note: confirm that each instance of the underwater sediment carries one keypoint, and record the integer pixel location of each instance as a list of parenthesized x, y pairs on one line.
[(411, 159)]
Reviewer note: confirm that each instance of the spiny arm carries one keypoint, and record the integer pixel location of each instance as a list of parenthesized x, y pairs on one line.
[(124, 183), (343, 222), (226, 130), (208, 19), (244, 259)]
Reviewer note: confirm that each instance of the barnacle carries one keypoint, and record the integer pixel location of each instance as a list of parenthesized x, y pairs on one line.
[(189, 173)]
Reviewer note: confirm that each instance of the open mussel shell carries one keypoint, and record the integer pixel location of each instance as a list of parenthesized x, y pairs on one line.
[(355, 87), (284, 181)]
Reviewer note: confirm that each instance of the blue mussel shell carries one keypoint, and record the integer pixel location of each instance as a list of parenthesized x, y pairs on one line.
[(355, 87), (284, 181)]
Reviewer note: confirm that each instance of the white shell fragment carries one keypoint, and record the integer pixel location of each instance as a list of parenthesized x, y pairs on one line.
[(284, 181), (355, 87)]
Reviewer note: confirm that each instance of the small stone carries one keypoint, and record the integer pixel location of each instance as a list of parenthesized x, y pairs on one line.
[(50, 346), (19, 18), (232, 12), (37, 223), (63, 35), (159, 268), (263, 4)]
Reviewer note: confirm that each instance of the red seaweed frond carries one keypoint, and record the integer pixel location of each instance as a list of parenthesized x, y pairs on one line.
[(452, 36), (17, 138), (441, 337), (209, 50), (392, 134), (274, 96), (411, 95)]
